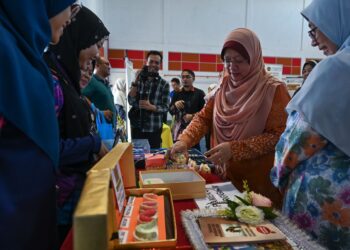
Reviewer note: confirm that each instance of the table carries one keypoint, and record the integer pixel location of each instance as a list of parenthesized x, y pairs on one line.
[(182, 241)]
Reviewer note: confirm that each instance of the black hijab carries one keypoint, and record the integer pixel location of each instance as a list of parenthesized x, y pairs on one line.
[(85, 30)]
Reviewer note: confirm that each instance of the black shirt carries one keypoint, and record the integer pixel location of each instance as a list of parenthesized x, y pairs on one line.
[(194, 101)]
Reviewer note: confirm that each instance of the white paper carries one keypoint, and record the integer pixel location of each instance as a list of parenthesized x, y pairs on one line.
[(216, 195), (118, 187)]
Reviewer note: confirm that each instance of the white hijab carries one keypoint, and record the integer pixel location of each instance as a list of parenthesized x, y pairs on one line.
[(324, 99), (119, 92)]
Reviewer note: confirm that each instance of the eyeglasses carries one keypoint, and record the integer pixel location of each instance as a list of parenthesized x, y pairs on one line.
[(312, 33), (235, 61), (186, 76)]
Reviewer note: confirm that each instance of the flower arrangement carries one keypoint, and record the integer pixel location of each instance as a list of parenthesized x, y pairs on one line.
[(252, 209)]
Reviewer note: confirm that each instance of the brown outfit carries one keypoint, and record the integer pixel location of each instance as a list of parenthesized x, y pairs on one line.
[(252, 157)]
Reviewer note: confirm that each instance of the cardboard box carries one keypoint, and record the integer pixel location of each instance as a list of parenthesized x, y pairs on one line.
[(97, 217), (183, 183)]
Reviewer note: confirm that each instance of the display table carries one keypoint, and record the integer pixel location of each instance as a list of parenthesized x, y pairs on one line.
[(180, 205), (98, 196)]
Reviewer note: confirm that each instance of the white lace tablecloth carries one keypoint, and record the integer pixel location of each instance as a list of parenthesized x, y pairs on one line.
[(297, 238)]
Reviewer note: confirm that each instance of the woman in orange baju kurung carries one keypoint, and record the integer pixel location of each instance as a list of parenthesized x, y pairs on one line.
[(246, 116)]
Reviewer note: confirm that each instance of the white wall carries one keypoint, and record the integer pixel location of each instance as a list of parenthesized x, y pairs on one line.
[(200, 26)]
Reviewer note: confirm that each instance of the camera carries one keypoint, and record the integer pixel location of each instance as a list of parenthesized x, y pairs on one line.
[(145, 85), (144, 74)]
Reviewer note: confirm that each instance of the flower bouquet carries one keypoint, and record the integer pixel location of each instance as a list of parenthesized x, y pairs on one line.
[(252, 208)]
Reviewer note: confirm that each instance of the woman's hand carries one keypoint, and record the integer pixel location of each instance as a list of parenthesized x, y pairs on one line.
[(220, 154), (188, 117), (108, 115), (178, 147)]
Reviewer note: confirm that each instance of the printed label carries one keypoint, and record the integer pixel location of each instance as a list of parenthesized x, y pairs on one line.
[(128, 211), (123, 236), (125, 223)]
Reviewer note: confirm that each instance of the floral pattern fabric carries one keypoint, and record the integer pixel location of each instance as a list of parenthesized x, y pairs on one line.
[(315, 176), (58, 94)]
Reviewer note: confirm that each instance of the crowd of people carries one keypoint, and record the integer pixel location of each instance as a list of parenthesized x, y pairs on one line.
[(55, 85)]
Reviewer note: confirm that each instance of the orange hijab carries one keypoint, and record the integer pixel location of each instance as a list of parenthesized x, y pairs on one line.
[(241, 112)]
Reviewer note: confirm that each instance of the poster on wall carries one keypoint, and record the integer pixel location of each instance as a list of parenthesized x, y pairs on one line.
[(129, 77), (275, 70)]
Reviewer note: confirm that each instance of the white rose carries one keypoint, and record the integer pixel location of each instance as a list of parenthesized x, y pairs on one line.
[(249, 214)]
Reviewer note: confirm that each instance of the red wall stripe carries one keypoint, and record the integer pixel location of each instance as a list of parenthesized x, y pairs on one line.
[(135, 54), (296, 61), (117, 63), (286, 70), (219, 67), (192, 66), (270, 60), (207, 58), (174, 56)]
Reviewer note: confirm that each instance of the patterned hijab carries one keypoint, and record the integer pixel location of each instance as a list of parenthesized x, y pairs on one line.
[(241, 112), (26, 94), (324, 99)]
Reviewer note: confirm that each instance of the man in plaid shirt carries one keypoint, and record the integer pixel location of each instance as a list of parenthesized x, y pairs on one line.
[(149, 98)]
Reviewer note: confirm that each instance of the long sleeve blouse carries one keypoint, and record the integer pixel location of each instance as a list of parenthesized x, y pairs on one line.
[(252, 157)]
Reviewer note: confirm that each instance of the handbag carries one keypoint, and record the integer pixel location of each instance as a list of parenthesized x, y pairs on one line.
[(104, 129)]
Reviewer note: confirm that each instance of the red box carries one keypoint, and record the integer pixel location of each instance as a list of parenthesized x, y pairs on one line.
[(155, 161)]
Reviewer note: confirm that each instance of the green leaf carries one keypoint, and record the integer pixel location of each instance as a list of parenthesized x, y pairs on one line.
[(232, 205), (268, 211), (243, 201)]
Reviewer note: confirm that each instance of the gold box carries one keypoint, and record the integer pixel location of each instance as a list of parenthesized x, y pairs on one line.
[(183, 183), (122, 154), (96, 219)]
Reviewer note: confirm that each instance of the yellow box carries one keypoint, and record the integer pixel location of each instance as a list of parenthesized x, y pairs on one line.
[(96, 218), (183, 183), (122, 154)]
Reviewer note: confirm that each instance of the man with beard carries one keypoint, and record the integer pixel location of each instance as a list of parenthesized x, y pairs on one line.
[(149, 99), (186, 103)]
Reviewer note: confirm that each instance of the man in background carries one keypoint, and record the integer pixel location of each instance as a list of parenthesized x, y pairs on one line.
[(149, 99), (176, 85), (186, 103), (99, 92)]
